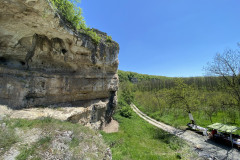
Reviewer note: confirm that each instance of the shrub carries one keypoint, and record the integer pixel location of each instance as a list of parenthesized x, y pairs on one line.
[(128, 95), (126, 111), (109, 39), (96, 39), (69, 10)]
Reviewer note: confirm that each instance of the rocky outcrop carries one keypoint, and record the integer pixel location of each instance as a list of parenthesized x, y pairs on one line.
[(45, 63)]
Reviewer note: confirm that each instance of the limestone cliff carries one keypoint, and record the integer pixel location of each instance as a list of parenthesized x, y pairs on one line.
[(45, 63)]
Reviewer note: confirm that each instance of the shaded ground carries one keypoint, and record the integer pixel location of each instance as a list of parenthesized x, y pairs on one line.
[(204, 147)]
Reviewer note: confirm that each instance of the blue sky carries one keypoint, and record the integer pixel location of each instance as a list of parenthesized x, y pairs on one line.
[(173, 38)]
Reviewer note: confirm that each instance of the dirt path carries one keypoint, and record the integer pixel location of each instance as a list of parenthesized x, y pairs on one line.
[(203, 146)]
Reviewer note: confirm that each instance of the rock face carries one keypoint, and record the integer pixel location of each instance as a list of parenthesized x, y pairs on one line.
[(45, 63)]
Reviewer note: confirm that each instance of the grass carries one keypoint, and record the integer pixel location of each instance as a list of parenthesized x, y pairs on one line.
[(7, 138), (41, 144), (74, 143), (48, 124), (138, 139), (25, 153)]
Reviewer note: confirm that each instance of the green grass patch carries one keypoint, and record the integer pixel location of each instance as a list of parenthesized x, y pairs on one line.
[(74, 143), (138, 139), (28, 124), (44, 142), (27, 151), (47, 123), (7, 138)]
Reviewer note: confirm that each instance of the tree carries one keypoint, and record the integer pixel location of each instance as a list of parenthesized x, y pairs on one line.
[(211, 102), (183, 96), (227, 66), (127, 92)]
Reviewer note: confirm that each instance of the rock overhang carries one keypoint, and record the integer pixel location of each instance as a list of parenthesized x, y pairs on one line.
[(45, 62)]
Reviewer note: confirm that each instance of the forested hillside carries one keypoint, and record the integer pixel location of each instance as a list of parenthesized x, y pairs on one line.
[(213, 98)]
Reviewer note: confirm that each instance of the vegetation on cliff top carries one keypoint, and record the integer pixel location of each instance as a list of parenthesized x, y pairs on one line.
[(69, 10)]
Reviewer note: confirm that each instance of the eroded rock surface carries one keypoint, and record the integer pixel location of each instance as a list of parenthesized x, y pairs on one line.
[(52, 141), (45, 63)]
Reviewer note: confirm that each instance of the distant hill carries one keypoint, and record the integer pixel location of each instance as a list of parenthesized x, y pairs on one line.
[(132, 76), (160, 82)]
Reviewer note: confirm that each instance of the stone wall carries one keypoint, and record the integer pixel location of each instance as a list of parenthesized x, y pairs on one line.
[(45, 63)]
